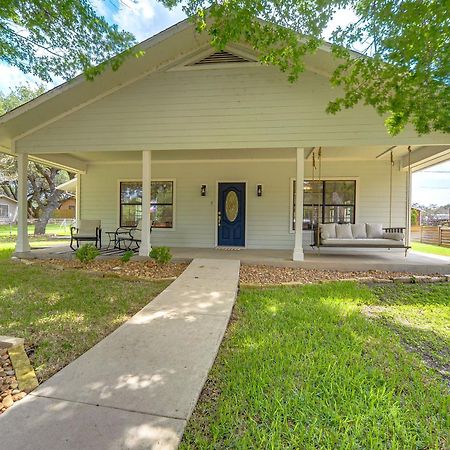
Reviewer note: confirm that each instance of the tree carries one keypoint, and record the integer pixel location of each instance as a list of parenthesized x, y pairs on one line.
[(415, 217), (43, 197), (62, 38), (402, 70)]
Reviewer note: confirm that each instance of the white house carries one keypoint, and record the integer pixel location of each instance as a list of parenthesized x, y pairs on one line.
[(213, 144), (8, 209)]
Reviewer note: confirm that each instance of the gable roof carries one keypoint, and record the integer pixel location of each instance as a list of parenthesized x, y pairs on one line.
[(176, 43), (8, 198)]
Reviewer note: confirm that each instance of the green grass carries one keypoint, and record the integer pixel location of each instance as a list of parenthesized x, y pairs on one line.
[(52, 229), (316, 367), (420, 316), (61, 314), (433, 249), (7, 248)]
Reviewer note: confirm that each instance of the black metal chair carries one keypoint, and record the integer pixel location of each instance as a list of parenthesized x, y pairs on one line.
[(86, 230), (128, 236)]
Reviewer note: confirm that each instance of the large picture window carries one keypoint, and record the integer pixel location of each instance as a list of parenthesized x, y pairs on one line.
[(161, 205), (325, 201)]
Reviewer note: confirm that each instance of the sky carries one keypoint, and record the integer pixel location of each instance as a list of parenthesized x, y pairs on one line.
[(432, 185), (144, 18)]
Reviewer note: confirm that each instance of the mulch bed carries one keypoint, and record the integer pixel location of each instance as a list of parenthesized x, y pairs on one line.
[(249, 274), (268, 275), (148, 270), (9, 388)]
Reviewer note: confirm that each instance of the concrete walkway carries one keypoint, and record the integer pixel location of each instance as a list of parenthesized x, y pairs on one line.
[(136, 388)]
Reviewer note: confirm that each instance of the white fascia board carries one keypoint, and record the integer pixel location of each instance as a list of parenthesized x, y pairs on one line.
[(425, 157)]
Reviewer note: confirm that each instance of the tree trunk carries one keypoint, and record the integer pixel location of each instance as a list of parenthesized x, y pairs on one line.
[(46, 213)]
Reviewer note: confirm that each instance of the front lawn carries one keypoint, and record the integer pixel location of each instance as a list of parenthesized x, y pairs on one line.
[(337, 365), (433, 249), (7, 231), (61, 314), (7, 247)]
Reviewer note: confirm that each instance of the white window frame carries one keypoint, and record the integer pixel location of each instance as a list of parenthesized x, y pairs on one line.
[(159, 179), (7, 211), (336, 178)]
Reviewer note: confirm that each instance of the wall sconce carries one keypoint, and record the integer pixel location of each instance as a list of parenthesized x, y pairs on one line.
[(203, 189), (259, 190)]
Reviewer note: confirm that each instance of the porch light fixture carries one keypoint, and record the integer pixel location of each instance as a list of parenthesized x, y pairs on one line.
[(203, 189), (259, 190)]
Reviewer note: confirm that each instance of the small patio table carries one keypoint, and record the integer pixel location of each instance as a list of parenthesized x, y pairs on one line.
[(112, 236)]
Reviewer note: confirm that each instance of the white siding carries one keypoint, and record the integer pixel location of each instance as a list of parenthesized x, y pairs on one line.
[(267, 216), (251, 107)]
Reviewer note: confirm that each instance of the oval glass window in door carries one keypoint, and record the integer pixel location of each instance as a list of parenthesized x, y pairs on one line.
[(231, 206)]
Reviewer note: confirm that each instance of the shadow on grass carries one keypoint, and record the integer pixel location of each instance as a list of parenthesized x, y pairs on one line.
[(61, 314), (303, 368), (396, 294), (433, 348)]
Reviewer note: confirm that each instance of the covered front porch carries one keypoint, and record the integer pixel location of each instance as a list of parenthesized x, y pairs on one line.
[(357, 185)]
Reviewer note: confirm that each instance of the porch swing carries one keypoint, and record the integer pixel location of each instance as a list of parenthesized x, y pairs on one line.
[(346, 235)]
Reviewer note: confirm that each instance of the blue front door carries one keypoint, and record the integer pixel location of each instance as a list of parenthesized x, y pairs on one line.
[(231, 215)]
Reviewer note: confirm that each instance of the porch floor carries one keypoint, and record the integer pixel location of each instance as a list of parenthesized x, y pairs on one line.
[(329, 259)]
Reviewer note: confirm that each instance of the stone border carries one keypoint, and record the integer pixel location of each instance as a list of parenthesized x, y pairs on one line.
[(413, 279), (25, 374)]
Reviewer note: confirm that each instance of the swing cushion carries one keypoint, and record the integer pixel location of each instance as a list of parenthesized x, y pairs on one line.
[(344, 231), (328, 230), (364, 243), (374, 230), (359, 230), (394, 236)]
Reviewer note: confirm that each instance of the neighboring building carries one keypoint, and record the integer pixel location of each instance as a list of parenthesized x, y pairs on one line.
[(8, 209), (66, 210), (223, 142)]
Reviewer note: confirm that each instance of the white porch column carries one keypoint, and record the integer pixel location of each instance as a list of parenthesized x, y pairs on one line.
[(146, 247), (299, 176), (408, 206), (22, 244), (78, 199)]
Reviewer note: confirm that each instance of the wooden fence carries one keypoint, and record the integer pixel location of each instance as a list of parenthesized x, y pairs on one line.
[(435, 235)]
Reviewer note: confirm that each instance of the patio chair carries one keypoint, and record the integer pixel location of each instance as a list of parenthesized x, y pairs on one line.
[(86, 230), (129, 237)]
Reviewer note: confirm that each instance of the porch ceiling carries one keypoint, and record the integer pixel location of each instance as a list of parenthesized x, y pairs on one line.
[(422, 156)]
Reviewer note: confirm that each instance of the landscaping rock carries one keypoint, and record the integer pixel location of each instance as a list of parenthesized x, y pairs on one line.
[(19, 396), (407, 279), (7, 401), (9, 387), (268, 275), (422, 279)]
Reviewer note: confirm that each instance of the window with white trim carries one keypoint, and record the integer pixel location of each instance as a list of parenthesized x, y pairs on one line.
[(325, 201), (161, 205), (4, 211)]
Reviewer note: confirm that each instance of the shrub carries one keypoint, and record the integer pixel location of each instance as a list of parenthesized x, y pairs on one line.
[(127, 256), (87, 252), (161, 255)]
